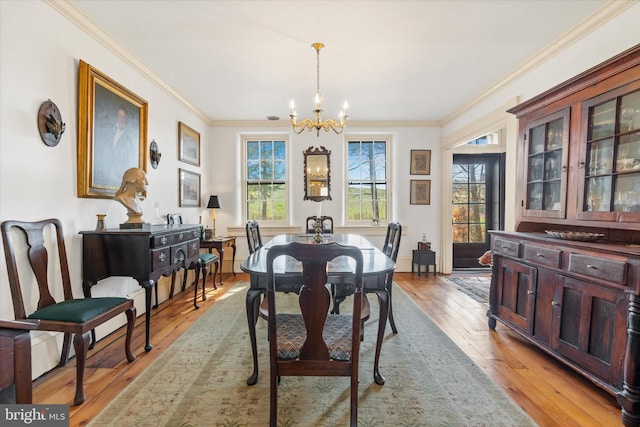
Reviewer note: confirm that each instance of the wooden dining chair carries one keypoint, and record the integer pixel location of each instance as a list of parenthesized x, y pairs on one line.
[(308, 340), (254, 240), (325, 221), (389, 248), (77, 317), (205, 260)]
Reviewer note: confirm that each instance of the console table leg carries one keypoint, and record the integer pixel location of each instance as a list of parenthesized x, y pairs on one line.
[(148, 287)]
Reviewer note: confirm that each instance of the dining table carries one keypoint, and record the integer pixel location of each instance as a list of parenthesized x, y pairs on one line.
[(376, 266)]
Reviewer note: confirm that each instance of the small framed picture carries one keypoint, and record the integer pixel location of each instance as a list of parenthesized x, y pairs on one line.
[(420, 191), (188, 145), (420, 162), (189, 184)]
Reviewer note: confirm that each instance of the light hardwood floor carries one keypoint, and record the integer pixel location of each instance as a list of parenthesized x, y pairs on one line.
[(550, 393)]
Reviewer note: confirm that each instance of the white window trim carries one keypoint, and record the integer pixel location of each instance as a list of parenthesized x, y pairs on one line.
[(388, 138), (259, 137)]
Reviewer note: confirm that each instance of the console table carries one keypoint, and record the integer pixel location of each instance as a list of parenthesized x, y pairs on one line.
[(144, 254), (219, 244)]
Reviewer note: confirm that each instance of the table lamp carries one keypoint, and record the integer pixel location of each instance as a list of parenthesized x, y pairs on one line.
[(214, 203)]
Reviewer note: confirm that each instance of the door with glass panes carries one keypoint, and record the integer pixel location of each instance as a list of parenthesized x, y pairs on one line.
[(478, 200)]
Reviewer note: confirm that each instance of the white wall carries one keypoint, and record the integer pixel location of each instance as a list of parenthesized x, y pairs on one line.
[(415, 219), (39, 54)]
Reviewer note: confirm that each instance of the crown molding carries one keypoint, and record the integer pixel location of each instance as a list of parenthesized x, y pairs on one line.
[(69, 11), (607, 12), (350, 123)]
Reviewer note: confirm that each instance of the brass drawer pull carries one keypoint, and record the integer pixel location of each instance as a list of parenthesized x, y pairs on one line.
[(539, 255), (555, 303), (529, 292), (163, 240), (593, 267)]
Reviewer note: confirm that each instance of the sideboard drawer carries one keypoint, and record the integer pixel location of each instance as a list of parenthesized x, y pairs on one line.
[(160, 258), (507, 247), (160, 240), (543, 256), (193, 248), (601, 268)]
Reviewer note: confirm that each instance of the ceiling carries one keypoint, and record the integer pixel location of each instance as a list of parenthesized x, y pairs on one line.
[(392, 60)]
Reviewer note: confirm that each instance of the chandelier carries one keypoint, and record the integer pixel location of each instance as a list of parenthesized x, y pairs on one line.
[(317, 123)]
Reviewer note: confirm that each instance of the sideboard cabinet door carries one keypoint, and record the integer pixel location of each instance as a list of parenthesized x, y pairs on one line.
[(515, 293)]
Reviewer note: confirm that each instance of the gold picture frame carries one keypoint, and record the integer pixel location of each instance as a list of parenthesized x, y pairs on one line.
[(420, 192), (420, 162), (112, 133), (189, 184), (188, 145)]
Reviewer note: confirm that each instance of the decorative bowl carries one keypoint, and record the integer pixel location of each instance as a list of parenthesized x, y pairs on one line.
[(575, 235)]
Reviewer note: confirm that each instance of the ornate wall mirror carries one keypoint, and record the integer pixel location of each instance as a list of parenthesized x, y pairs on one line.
[(317, 174)]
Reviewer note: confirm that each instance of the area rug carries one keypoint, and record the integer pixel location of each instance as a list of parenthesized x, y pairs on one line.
[(201, 380), (476, 286)]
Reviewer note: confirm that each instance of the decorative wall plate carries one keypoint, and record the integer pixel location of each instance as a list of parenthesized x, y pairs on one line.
[(50, 123), (154, 154)]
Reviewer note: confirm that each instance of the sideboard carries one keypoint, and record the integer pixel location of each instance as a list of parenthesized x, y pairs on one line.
[(568, 278), (144, 254)]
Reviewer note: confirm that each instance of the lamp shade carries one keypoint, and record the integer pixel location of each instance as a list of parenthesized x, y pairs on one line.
[(214, 203)]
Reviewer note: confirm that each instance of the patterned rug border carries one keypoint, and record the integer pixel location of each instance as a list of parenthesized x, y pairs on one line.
[(201, 385), (463, 284)]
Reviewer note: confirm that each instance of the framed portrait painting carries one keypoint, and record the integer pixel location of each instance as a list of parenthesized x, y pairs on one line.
[(189, 184), (188, 145), (112, 133), (420, 192), (420, 162)]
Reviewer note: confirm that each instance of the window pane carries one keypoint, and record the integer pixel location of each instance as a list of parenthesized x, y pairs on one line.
[(460, 214), (460, 233), (460, 193), (477, 172), (477, 213), (253, 150), (476, 233), (476, 193)]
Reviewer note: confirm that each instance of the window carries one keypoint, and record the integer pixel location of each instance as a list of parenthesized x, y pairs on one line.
[(266, 183), (491, 139), (367, 180)]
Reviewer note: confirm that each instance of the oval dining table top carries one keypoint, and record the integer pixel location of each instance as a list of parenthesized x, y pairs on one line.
[(375, 262)]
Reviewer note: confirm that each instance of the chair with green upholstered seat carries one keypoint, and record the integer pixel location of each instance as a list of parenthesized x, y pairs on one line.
[(71, 316), (204, 261)]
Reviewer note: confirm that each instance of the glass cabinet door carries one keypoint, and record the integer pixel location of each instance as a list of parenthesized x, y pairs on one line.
[(611, 174), (546, 148)]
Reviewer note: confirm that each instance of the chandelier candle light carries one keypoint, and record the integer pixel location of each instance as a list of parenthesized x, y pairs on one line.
[(317, 123)]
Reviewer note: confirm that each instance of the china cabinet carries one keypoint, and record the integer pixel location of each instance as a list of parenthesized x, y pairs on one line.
[(580, 153), (568, 278)]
